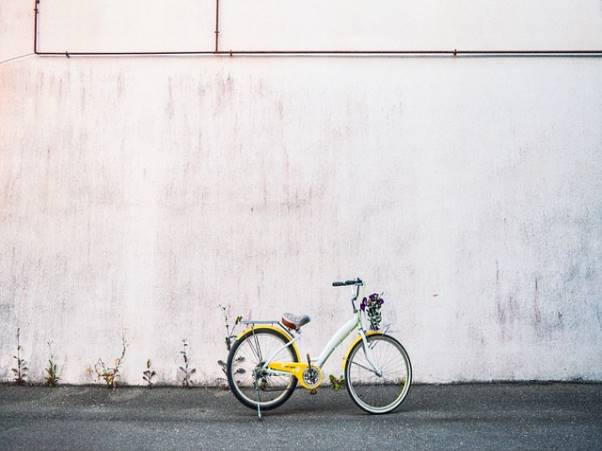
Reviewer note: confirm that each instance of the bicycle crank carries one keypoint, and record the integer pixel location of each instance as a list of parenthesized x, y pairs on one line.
[(311, 377)]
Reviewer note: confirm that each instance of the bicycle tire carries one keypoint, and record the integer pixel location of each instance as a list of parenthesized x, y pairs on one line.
[(237, 391), (349, 383)]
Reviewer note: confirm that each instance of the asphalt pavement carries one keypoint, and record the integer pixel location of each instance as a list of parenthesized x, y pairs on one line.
[(464, 416)]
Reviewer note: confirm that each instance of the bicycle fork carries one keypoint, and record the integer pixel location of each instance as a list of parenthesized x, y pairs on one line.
[(370, 355)]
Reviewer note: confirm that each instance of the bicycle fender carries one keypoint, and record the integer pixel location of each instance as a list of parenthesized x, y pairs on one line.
[(357, 339), (279, 330)]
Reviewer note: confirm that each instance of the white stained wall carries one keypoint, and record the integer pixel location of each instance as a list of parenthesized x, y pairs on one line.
[(138, 193)]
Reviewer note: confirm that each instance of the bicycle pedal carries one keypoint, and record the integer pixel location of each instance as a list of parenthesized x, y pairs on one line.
[(313, 391)]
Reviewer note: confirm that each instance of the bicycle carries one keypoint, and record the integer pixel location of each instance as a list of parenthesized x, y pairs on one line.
[(264, 364)]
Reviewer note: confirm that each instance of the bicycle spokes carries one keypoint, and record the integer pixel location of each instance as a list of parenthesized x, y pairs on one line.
[(382, 387)]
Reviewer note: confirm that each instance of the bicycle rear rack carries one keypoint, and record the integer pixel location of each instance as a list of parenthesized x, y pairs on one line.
[(252, 323)]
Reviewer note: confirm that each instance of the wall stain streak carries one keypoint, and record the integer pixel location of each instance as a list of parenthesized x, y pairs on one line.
[(536, 307)]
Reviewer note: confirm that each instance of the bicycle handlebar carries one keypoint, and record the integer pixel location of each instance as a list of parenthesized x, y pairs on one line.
[(346, 283)]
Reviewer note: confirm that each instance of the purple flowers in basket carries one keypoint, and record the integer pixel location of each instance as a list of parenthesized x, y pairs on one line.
[(371, 305)]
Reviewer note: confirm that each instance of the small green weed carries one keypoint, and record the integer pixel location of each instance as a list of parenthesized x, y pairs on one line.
[(51, 377), (20, 371), (111, 375), (187, 372), (336, 383), (148, 374)]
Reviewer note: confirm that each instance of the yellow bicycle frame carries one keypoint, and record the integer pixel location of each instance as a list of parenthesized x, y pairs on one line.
[(297, 368), (355, 341)]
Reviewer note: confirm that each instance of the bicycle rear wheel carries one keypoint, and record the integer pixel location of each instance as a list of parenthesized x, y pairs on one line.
[(248, 383), (373, 392)]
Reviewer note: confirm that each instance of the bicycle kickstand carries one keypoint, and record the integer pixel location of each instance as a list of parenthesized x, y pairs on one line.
[(258, 401)]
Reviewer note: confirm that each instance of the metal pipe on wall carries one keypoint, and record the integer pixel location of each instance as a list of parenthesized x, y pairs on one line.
[(455, 53), (216, 26), (310, 52), (35, 26)]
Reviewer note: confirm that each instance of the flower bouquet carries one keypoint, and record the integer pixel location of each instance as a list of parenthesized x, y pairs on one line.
[(371, 306)]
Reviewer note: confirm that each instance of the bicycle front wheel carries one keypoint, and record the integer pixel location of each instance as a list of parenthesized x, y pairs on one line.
[(383, 387)]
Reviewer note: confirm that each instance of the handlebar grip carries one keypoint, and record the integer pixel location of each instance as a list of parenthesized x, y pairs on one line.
[(357, 281)]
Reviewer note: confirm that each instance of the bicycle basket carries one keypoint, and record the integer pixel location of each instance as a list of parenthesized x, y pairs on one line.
[(371, 307)]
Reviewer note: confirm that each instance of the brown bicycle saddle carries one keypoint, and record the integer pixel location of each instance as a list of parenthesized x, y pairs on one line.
[(295, 322)]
